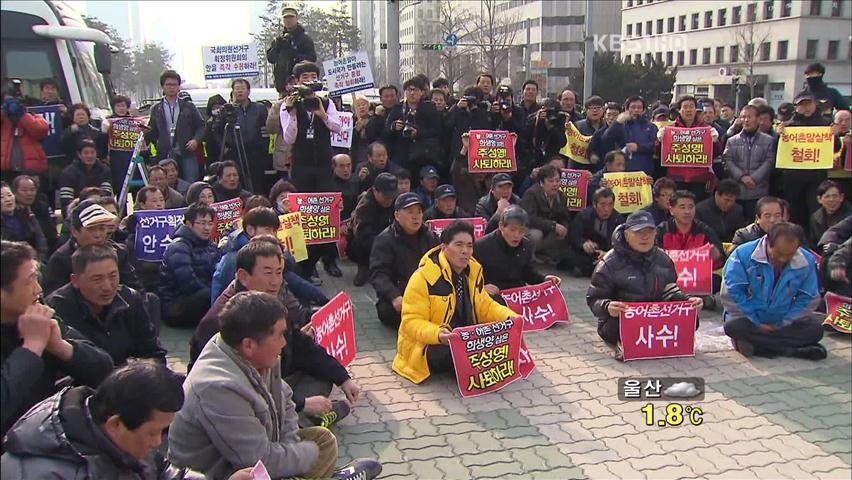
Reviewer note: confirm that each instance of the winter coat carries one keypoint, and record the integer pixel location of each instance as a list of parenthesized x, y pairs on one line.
[(373, 172), (505, 266), (58, 270), (71, 139), (59, 439), (458, 122), (752, 155), (395, 256), (486, 208), (746, 234), (33, 129), (641, 132), (369, 218), (670, 238), (545, 215), (839, 233), (829, 98), (750, 290), (75, 177), (625, 275), (429, 303), (432, 213), (285, 56), (222, 194), (821, 221), (660, 215), (413, 153), (22, 226), (583, 229), (188, 126), (724, 224), (188, 265)]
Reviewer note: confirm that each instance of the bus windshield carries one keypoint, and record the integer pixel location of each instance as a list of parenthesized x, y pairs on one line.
[(91, 83)]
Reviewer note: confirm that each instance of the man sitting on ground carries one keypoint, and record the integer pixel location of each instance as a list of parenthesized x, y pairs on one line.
[(833, 208), (663, 190), (547, 207), (768, 212), (372, 215), (446, 205), (591, 233), (491, 206), (722, 213)]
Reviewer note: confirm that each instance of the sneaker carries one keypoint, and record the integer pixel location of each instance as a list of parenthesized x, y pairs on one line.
[(362, 276), (331, 268), (811, 352), (339, 411), (745, 348), (358, 469), (619, 352)]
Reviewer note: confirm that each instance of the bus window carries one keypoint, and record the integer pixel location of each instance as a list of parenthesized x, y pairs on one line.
[(91, 82), (32, 64)]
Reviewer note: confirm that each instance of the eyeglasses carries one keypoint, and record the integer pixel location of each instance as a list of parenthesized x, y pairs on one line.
[(202, 224)]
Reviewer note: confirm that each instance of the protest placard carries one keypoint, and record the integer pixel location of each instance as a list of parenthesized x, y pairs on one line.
[(632, 190), (491, 151), (574, 184), (847, 164), (320, 215), (154, 229), (657, 330), (660, 124), (123, 133), (576, 144), (694, 269), (230, 61), (805, 148), (437, 226), (487, 356), (334, 328), (687, 147), (348, 74), (344, 138), (540, 305), (839, 312), (226, 213), (290, 233), (52, 143)]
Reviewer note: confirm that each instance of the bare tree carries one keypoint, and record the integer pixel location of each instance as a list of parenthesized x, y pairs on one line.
[(750, 40), (453, 18), (494, 33)]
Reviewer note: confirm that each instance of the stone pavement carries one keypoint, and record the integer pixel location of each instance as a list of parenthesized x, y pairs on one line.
[(763, 418)]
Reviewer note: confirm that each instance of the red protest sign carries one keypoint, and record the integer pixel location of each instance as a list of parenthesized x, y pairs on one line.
[(334, 328), (123, 133), (574, 184), (658, 330), (526, 362), (694, 269), (540, 305), (487, 356), (687, 147), (226, 213), (320, 215), (345, 225), (437, 226), (491, 151), (839, 310)]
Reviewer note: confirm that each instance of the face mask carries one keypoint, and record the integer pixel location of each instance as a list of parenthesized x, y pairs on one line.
[(280, 206), (813, 81)]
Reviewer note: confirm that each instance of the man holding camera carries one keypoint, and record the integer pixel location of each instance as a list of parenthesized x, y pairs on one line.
[(290, 48), (22, 133), (548, 124), (249, 119), (412, 128)]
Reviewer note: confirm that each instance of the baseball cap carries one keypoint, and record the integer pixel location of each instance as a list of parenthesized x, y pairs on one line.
[(406, 200), (639, 220), (89, 213), (386, 183), (429, 172), (803, 96), (289, 11), (444, 191), (661, 110), (501, 179)]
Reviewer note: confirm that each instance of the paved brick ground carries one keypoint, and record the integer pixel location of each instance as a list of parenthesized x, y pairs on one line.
[(778, 418)]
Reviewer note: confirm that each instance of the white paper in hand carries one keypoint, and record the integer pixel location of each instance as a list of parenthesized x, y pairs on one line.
[(259, 472)]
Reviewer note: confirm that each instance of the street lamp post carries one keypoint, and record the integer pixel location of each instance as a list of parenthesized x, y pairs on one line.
[(392, 73)]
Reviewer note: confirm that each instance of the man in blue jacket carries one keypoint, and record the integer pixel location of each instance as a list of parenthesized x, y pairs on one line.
[(633, 133), (770, 289)]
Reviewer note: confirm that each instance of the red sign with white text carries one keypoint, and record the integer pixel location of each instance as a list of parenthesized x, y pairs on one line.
[(658, 330), (226, 213), (687, 147), (437, 226), (491, 151), (487, 356), (320, 215), (839, 315), (541, 305), (334, 328), (694, 269), (574, 184)]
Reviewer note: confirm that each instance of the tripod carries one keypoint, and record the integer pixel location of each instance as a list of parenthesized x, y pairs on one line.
[(240, 148)]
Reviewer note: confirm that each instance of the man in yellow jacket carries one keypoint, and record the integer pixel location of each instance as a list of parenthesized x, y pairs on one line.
[(447, 291)]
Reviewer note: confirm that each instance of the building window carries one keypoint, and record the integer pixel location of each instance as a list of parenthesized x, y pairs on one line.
[(680, 57), (720, 54), (764, 52), (629, 32), (736, 15), (693, 56), (629, 3), (705, 56), (639, 29), (768, 10), (669, 59), (811, 50), (786, 8), (695, 21), (658, 57), (647, 59), (751, 13), (649, 28), (816, 7), (681, 23), (735, 54), (781, 54), (659, 26), (836, 8), (627, 59), (833, 48), (639, 2), (708, 19), (671, 25), (722, 17)]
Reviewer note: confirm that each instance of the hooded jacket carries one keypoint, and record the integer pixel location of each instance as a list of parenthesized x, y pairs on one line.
[(188, 265), (34, 129), (639, 131), (395, 256), (429, 303)]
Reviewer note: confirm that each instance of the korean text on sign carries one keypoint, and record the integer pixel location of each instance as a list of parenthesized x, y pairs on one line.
[(154, 229), (576, 144), (658, 330), (540, 305), (575, 184), (437, 226), (320, 215), (632, 190), (123, 133), (226, 213), (344, 138), (487, 356), (491, 151), (694, 269), (805, 148), (230, 61), (839, 315), (348, 74), (334, 328), (52, 143), (687, 147), (291, 234)]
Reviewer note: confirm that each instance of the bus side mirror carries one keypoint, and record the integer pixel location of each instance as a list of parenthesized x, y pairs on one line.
[(103, 58)]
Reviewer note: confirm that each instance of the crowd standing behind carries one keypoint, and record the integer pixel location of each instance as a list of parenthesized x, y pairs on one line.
[(81, 305)]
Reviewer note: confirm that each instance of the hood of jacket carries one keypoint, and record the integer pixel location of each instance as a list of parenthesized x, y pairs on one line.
[(234, 241)]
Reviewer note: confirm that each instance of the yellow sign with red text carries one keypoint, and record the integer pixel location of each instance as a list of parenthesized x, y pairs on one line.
[(805, 148), (632, 190), (576, 144)]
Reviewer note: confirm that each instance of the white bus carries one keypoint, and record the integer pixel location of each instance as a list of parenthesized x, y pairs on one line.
[(49, 39)]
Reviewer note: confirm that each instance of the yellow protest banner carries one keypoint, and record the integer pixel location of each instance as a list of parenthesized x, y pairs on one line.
[(805, 148), (632, 190), (663, 123), (290, 233), (576, 144)]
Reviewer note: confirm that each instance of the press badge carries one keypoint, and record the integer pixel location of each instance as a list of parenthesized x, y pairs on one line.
[(309, 133)]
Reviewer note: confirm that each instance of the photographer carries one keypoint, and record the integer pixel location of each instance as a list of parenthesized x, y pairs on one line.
[(389, 97), (505, 115), (471, 112), (412, 128), (21, 134), (250, 117), (307, 122), (547, 126), (292, 47)]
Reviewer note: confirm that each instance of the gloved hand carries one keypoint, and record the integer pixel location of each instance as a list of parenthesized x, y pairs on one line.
[(13, 109)]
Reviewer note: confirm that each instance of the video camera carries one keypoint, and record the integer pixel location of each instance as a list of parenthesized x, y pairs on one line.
[(228, 113), (306, 94), (12, 104), (473, 102), (409, 125), (504, 98), (553, 111)]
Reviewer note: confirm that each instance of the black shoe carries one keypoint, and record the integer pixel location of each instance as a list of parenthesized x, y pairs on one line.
[(710, 303), (619, 352), (745, 348), (315, 278), (331, 268), (339, 411), (811, 352), (359, 469), (362, 276)]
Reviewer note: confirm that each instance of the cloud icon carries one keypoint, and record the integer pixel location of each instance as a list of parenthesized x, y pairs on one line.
[(681, 389)]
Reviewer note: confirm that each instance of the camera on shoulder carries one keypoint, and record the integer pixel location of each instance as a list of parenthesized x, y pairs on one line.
[(306, 94)]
